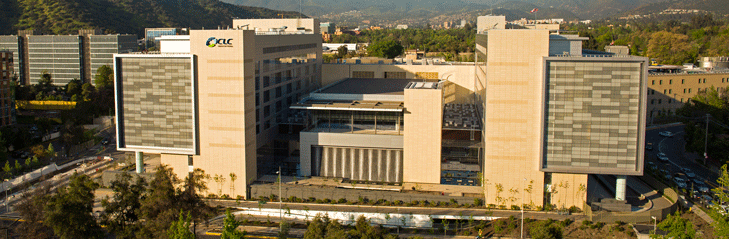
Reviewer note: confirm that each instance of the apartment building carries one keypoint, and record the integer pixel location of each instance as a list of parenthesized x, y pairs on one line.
[(65, 57), (6, 98), (213, 104)]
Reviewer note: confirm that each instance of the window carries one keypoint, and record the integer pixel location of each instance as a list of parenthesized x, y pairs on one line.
[(698, 90), (670, 82), (659, 101), (670, 91), (258, 99), (279, 106), (258, 84), (258, 129), (681, 100), (704, 80), (683, 81), (653, 82), (266, 96), (298, 85), (278, 92), (664, 91), (684, 91), (258, 116), (395, 75), (278, 78), (266, 111), (267, 124), (288, 88), (266, 81), (689, 90), (363, 74), (699, 81), (653, 101), (660, 82)]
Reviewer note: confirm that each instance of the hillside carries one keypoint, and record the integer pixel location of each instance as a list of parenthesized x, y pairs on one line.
[(714, 6), (584, 9), (122, 16)]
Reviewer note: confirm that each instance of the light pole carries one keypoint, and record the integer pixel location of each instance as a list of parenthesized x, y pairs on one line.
[(522, 210), (654, 224), (7, 202), (280, 202), (706, 140)]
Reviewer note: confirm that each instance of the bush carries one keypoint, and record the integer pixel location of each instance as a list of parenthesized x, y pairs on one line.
[(586, 222), (398, 202), (225, 196), (492, 206), (566, 222), (327, 200), (342, 200), (212, 195), (499, 226), (575, 209), (598, 225), (477, 202), (544, 230), (515, 207), (311, 199)]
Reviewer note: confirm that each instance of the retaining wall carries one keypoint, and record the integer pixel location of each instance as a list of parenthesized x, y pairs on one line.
[(318, 192)]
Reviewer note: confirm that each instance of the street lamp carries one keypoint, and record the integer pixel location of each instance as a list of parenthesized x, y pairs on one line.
[(7, 202), (522, 210), (280, 202), (654, 224)]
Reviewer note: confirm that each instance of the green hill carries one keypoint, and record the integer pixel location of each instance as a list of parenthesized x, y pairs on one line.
[(122, 16), (720, 7)]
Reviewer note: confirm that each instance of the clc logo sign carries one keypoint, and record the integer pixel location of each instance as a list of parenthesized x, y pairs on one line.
[(213, 42)]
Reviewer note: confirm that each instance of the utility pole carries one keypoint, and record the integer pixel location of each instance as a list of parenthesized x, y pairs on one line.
[(706, 140), (280, 201)]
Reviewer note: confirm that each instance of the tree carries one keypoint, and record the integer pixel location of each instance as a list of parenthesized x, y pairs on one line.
[(545, 230), (30, 209), (386, 48), (285, 227), (230, 227), (8, 170), (159, 208), (676, 227), (122, 211), (87, 91), (316, 229), (69, 212), (721, 219), (342, 51), (671, 48), (180, 229), (104, 77), (73, 87), (45, 80), (190, 199)]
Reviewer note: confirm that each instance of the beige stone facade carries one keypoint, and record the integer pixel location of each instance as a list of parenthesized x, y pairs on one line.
[(668, 92), (423, 130)]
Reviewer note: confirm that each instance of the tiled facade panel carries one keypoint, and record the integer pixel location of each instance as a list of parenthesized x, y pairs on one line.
[(61, 56), (363, 164), (592, 115), (157, 102)]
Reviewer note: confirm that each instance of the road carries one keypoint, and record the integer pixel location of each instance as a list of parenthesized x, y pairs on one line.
[(673, 147)]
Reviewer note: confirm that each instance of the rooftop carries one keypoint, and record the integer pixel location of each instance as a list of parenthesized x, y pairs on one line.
[(365, 86)]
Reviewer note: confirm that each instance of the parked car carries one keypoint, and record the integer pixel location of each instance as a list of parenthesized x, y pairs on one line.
[(680, 182), (702, 187), (666, 134), (662, 156), (688, 172)]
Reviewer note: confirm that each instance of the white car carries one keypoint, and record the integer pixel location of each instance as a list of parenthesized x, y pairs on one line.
[(666, 134), (662, 156), (679, 182)]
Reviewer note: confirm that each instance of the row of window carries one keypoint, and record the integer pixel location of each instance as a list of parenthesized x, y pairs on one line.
[(669, 101), (670, 91), (683, 81)]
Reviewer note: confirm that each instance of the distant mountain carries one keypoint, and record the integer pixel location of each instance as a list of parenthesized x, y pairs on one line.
[(582, 9), (122, 16), (713, 6)]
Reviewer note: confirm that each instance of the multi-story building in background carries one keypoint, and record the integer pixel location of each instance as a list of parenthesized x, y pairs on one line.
[(151, 35), (65, 57), (6, 98), (212, 103)]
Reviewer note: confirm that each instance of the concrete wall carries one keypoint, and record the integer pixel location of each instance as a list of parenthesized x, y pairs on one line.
[(308, 139), (571, 190), (462, 75), (423, 135), (301, 191), (513, 112)]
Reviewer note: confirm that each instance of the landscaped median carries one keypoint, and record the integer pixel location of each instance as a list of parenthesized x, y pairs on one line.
[(44, 105)]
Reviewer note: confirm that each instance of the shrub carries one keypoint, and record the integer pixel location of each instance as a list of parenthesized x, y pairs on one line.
[(586, 222), (515, 207), (319, 201), (212, 195), (327, 200), (566, 222), (312, 199), (492, 206), (453, 201), (292, 199), (477, 202), (502, 207), (539, 208), (575, 209), (342, 200), (598, 225), (225, 196), (499, 226), (545, 229)]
